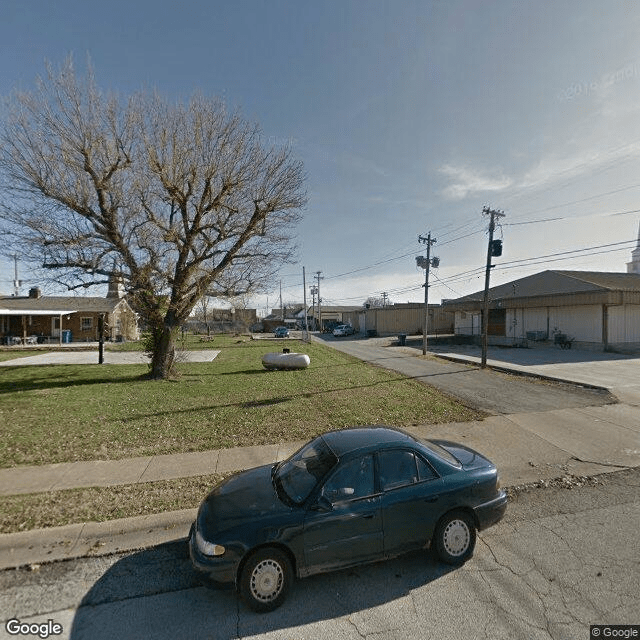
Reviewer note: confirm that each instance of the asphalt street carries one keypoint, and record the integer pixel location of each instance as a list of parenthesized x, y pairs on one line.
[(559, 561)]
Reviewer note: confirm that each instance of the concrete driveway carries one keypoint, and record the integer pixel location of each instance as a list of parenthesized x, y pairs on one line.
[(618, 373), (482, 389)]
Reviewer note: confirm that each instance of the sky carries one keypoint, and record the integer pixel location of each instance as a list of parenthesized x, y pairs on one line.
[(410, 117)]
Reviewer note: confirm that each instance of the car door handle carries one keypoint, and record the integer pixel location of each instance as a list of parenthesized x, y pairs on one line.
[(431, 499), (368, 516)]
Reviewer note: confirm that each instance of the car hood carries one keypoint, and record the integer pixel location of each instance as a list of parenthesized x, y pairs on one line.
[(469, 459), (244, 497)]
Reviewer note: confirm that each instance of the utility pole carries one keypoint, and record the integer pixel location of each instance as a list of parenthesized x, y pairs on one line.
[(281, 309), (314, 291), (16, 282), (494, 249), (318, 278), (304, 295), (425, 263), (385, 297)]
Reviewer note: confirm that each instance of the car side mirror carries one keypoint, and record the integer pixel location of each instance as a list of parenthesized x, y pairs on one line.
[(322, 504)]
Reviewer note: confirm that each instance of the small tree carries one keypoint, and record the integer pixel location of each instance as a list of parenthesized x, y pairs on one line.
[(203, 313), (177, 201)]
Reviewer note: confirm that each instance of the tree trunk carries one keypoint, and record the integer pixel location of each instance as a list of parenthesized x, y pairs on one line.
[(164, 353)]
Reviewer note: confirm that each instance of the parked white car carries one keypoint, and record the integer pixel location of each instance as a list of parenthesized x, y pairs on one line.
[(343, 330)]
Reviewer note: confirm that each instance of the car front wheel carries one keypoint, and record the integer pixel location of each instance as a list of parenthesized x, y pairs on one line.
[(455, 538), (265, 579)]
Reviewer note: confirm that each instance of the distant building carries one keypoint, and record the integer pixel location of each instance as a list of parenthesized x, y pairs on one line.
[(634, 265), (329, 316), (406, 317)]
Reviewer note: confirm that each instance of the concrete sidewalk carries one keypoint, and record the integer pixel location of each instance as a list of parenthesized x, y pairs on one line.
[(527, 447), (90, 356)]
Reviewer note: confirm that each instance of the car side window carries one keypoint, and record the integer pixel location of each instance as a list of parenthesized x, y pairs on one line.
[(425, 471), (352, 480), (397, 469)]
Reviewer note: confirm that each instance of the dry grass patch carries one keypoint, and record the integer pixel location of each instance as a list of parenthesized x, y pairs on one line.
[(98, 504)]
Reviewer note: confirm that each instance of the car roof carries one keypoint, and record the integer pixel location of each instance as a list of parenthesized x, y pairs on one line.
[(348, 440)]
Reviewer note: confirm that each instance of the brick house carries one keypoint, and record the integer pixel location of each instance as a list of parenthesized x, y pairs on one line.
[(45, 319)]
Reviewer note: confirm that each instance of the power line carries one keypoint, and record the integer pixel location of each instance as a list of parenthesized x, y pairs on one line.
[(514, 263), (476, 232)]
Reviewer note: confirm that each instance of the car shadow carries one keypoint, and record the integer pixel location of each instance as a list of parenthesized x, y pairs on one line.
[(155, 593)]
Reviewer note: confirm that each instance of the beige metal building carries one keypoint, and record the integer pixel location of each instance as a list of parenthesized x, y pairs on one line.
[(401, 318), (597, 309)]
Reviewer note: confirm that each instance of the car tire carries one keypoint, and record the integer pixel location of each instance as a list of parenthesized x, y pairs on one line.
[(265, 579), (455, 538)]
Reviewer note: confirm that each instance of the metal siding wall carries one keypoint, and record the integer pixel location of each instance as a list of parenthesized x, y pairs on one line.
[(466, 323), (582, 322), (408, 320), (534, 320), (513, 328), (624, 323)]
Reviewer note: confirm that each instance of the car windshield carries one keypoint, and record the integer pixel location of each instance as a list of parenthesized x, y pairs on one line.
[(439, 451), (299, 475)]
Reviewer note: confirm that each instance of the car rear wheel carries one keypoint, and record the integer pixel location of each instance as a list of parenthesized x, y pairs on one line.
[(265, 579), (455, 538)]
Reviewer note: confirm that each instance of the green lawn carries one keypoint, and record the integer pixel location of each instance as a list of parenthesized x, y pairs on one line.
[(61, 413)]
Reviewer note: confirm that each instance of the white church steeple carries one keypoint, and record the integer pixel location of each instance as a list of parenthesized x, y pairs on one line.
[(634, 265)]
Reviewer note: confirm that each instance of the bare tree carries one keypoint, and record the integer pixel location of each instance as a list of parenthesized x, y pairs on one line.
[(203, 313), (374, 302), (178, 201)]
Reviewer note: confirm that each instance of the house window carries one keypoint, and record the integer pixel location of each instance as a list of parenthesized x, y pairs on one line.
[(86, 324)]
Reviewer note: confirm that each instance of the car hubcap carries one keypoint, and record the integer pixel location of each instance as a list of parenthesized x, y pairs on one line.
[(266, 580), (456, 537)]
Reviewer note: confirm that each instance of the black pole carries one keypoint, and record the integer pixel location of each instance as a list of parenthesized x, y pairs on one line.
[(485, 302), (101, 338)]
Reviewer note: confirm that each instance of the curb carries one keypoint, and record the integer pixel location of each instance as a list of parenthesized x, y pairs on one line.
[(526, 374), (92, 539)]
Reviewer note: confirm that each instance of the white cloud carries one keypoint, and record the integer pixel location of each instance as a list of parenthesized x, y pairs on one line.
[(467, 182), (582, 161)]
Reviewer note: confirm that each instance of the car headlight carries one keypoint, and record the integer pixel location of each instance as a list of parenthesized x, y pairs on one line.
[(208, 548)]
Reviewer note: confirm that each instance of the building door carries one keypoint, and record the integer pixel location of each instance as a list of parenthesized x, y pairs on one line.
[(55, 327), (497, 322)]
